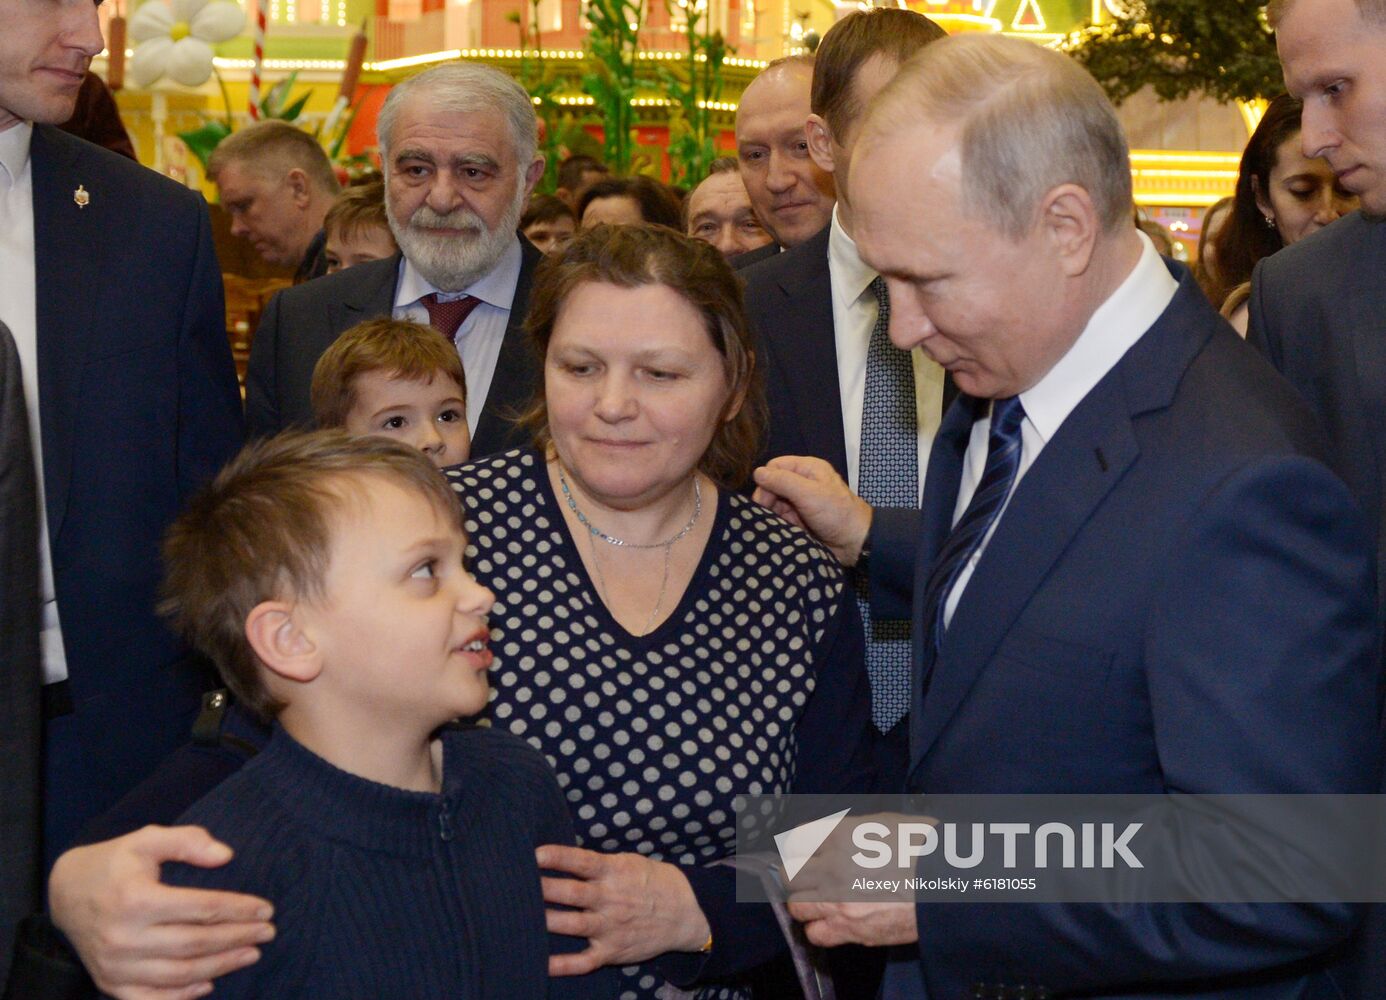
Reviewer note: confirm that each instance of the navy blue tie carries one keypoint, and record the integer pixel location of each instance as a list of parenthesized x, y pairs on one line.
[(1003, 462), (887, 476)]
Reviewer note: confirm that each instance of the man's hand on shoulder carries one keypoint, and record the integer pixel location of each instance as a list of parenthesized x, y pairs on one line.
[(141, 939), (809, 492)]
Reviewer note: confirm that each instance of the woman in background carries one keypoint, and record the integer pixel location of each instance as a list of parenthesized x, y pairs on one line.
[(1282, 196)]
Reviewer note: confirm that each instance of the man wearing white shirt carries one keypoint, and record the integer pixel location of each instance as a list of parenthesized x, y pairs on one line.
[(110, 287), (836, 389), (458, 146), (1133, 572)]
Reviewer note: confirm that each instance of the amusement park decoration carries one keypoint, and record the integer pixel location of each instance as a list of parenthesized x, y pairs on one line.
[(176, 40)]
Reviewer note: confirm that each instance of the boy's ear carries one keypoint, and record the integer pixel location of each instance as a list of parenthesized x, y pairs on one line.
[(279, 640)]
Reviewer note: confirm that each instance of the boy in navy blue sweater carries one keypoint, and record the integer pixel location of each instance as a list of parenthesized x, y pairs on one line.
[(324, 576)]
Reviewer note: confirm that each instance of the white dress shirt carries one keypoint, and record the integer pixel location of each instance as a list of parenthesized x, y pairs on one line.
[(480, 336), (1112, 331), (854, 317), (19, 311)]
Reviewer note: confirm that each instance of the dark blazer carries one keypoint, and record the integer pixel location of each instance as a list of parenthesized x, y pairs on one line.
[(20, 671), (1318, 313), (302, 322), (1179, 598), (138, 407), (789, 301)]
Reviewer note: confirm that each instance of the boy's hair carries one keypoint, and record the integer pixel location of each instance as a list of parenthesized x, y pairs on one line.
[(402, 349), (358, 207), (264, 529)]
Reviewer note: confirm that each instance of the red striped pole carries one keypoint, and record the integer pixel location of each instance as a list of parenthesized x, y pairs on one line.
[(254, 96)]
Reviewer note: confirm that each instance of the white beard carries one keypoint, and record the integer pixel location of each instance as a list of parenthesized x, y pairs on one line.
[(452, 263)]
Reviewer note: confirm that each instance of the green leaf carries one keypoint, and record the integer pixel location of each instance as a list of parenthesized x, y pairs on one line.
[(201, 141)]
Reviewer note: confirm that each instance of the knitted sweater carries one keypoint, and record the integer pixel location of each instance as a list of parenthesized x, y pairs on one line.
[(381, 892)]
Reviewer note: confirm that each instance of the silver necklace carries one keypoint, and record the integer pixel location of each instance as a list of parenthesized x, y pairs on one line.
[(611, 539), (593, 533)]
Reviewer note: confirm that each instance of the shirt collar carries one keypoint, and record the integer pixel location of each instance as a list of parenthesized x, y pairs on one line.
[(14, 149), (850, 275), (1112, 330), (496, 287)]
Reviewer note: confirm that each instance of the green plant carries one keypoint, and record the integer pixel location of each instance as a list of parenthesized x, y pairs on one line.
[(1182, 47), (691, 146), (611, 46)]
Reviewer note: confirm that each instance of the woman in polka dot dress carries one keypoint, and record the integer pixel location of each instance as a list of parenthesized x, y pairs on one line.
[(665, 642)]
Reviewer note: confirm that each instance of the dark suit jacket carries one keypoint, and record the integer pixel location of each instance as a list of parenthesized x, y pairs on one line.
[(1318, 312), (789, 301), (302, 322), (1179, 598), (138, 407), (20, 671)]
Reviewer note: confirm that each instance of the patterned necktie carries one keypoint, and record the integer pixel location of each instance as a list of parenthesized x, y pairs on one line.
[(446, 316), (887, 476), (1003, 462)]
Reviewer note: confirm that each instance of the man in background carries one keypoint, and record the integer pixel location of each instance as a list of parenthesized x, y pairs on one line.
[(276, 184), (792, 196), (578, 173), (719, 211), (458, 144)]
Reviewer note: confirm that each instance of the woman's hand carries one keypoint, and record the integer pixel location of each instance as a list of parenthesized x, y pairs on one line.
[(142, 940), (629, 908)]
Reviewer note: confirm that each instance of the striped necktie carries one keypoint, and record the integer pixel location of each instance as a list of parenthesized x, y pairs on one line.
[(998, 476)]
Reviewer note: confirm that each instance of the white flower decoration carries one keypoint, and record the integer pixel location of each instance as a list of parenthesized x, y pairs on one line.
[(178, 40)]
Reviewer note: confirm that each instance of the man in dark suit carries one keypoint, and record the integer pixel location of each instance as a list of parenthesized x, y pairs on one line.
[(110, 286), (458, 147), (1119, 584), (835, 387), (1317, 308)]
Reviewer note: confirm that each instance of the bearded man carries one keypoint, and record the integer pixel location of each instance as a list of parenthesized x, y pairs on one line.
[(457, 144)]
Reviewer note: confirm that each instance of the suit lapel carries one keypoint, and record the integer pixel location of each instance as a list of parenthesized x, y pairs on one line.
[(512, 384), (373, 295), (1052, 503), (805, 346), (1069, 480), (70, 248)]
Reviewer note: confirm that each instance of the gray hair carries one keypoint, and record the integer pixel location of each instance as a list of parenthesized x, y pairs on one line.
[(1371, 11), (1030, 120), (466, 87)]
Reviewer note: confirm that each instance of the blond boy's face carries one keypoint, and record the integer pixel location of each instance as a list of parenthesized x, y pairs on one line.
[(401, 628), (429, 415), (366, 243)]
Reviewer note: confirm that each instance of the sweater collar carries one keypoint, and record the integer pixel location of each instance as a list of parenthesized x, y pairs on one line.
[(355, 810)]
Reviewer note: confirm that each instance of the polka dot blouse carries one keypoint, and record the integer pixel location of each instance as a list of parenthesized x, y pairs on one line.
[(653, 736)]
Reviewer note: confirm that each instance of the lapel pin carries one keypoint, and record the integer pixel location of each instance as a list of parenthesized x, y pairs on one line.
[(81, 197)]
